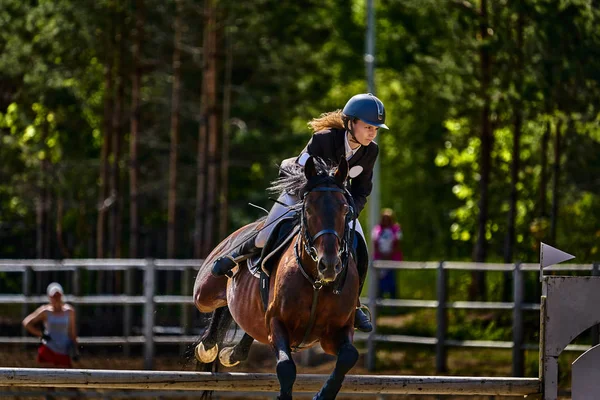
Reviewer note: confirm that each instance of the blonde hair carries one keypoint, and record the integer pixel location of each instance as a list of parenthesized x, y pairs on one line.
[(333, 119)]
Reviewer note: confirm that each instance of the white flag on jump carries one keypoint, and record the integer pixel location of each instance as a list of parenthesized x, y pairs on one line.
[(550, 256)]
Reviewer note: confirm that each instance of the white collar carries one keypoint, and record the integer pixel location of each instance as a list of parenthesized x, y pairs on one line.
[(349, 151)]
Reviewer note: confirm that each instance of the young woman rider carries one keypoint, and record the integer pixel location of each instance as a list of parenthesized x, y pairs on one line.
[(351, 133)]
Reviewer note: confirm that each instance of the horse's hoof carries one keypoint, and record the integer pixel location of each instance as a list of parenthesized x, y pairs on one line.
[(225, 357), (206, 356)]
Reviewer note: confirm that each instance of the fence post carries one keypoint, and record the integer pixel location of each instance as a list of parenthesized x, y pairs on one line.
[(26, 287), (371, 343), (127, 312), (186, 284), (596, 328), (149, 282), (518, 356), (442, 319), (77, 292)]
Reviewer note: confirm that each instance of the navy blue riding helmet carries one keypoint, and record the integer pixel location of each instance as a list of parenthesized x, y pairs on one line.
[(367, 108)]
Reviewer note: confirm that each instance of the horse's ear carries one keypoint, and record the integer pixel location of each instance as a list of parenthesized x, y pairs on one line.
[(342, 171), (310, 170)]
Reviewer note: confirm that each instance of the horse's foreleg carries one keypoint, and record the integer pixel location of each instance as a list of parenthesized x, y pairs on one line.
[(286, 368), (347, 355), (231, 356)]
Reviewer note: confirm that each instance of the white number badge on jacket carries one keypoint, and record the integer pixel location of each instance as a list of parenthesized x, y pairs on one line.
[(355, 171)]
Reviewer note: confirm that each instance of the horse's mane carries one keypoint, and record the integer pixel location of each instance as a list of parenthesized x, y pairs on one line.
[(293, 181)]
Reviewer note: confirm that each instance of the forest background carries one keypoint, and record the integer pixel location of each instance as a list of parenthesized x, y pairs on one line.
[(144, 128)]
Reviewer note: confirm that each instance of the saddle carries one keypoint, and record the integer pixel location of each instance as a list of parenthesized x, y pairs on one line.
[(262, 264), (280, 236)]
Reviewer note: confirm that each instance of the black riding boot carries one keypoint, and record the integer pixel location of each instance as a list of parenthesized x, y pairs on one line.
[(223, 265), (361, 321)]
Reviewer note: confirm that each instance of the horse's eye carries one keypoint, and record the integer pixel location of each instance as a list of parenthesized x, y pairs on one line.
[(346, 208)]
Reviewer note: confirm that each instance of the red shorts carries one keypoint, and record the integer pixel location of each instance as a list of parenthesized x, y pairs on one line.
[(47, 356)]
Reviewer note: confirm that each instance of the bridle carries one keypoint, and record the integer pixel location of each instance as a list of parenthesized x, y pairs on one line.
[(307, 240), (345, 241)]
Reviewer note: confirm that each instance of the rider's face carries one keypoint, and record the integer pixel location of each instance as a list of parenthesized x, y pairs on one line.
[(364, 132)]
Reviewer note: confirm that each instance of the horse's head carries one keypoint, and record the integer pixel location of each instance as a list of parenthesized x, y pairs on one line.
[(325, 210)]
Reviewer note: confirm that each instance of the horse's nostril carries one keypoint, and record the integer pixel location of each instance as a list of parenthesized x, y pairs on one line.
[(338, 267), (322, 267)]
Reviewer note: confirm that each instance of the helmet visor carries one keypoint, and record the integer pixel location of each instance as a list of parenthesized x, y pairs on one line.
[(376, 124)]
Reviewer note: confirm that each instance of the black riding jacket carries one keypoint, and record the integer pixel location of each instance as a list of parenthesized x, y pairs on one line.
[(330, 146)]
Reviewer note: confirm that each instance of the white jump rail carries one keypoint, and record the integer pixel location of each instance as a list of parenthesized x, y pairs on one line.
[(263, 382)]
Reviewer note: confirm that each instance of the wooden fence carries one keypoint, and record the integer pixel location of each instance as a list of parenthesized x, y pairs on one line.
[(440, 341), (149, 300)]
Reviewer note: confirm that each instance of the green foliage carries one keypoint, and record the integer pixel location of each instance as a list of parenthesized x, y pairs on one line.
[(292, 62)]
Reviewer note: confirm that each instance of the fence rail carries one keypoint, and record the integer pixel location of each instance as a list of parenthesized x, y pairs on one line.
[(442, 306), (262, 382), (149, 299)]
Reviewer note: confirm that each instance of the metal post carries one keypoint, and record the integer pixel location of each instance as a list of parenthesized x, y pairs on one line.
[(596, 328), (442, 319), (374, 203), (371, 343), (518, 366), (149, 283)]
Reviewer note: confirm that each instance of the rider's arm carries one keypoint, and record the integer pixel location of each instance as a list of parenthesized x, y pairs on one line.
[(319, 145)]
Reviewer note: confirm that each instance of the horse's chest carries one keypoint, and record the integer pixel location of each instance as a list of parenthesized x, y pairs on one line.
[(324, 309)]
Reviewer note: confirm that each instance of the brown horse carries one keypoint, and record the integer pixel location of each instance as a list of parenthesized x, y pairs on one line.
[(313, 286)]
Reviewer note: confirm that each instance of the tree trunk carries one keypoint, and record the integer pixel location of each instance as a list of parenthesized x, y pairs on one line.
[(555, 181), (543, 212), (135, 123), (64, 250), (117, 143), (224, 204), (172, 207), (105, 152), (175, 97), (43, 200), (213, 127), (477, 289), (201, 178), (200, 183), (509, 240)]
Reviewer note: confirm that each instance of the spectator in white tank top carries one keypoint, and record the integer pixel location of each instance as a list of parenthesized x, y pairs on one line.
[(58, 334)]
